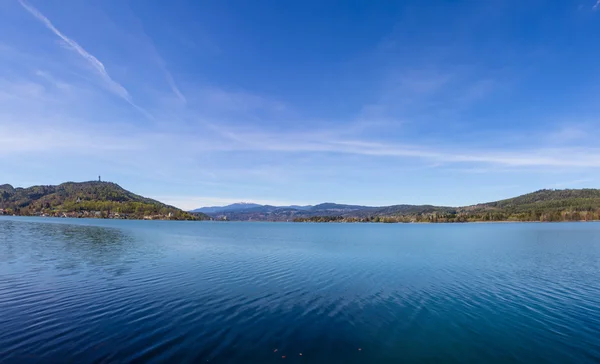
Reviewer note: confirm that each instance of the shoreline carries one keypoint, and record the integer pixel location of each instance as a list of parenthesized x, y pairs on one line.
[(305, 222), (98, 218)]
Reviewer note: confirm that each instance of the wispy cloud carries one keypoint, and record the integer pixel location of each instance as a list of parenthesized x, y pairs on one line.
[(314, 142), (159, 60), (172, 83), (52, 80), (28, 105), (98, 66), (596, 6), (325, 142)]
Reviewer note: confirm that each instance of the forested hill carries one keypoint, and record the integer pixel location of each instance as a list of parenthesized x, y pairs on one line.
[(549, 198), (542, 205), (87, 199)]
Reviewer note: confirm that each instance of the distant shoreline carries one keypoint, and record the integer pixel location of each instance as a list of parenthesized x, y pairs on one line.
[(96, 218), (429, 223), (309, 222), (101, 200)]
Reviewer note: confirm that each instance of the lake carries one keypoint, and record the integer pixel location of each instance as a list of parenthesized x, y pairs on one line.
[(224, 292)]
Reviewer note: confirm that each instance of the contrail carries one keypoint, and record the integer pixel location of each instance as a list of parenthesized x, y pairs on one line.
[(111, 84)]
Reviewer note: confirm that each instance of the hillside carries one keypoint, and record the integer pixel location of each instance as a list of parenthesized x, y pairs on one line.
[(543, 205), (548, 198), (87, 199)]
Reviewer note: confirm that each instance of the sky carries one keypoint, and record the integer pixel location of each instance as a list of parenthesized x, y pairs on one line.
[(200, 103)]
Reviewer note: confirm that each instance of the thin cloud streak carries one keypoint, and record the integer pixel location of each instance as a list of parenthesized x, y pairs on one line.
[(316, 143), (161, 62), (172, 83), (145, 142), (98, 66)]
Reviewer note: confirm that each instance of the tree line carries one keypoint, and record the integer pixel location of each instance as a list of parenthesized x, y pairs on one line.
[(529, 216)]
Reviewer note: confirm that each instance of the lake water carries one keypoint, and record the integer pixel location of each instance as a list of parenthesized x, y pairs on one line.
[(156, 291)]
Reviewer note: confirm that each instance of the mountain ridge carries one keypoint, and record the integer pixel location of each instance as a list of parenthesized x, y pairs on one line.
[(233, 206), (541, 205)]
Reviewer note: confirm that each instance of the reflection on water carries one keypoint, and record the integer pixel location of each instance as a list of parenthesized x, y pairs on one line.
[(118, 291)]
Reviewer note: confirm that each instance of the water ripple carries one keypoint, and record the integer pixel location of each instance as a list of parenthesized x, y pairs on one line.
[(123, 291)]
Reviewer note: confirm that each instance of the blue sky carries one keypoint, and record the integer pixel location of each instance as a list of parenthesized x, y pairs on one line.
[(203, 103)]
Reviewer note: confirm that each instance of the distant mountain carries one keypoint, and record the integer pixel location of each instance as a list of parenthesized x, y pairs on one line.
[(298, 207), (6, 188), (330, 206), (543, 205), (242, 206), (87, 199), (233, 207), (246, 206)]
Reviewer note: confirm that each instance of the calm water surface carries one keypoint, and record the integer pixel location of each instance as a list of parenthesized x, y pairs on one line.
[(152, 291)]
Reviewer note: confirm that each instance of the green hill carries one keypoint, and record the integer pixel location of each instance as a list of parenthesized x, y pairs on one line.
[(542, 205), (87, 199), (585, 198)]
